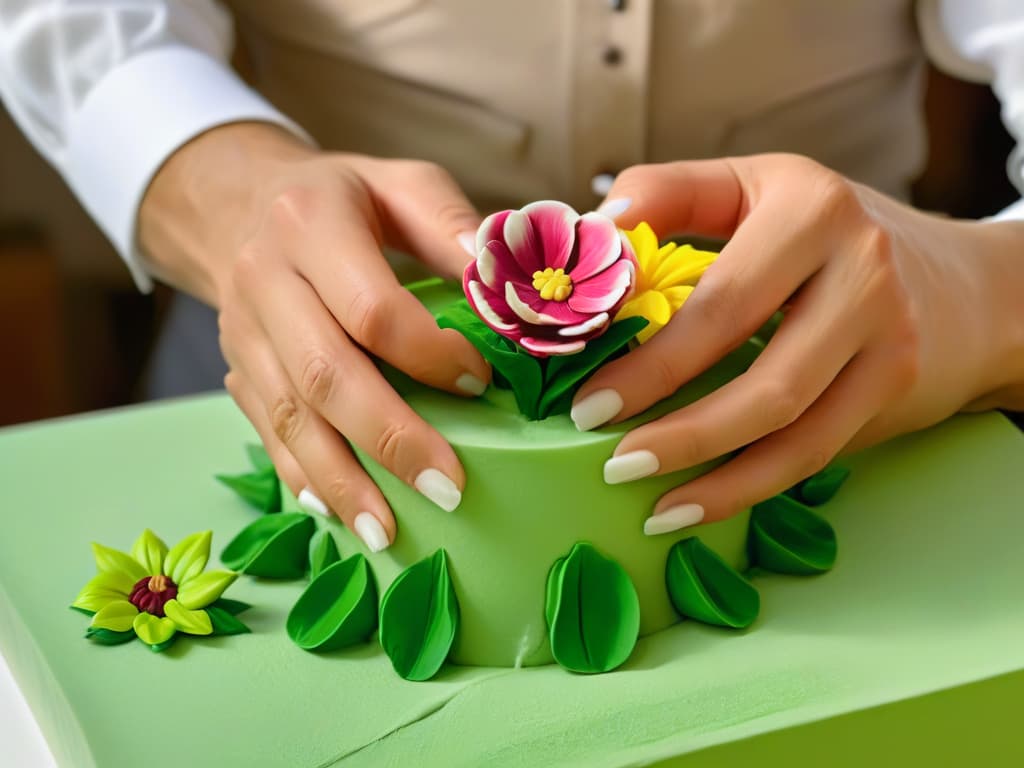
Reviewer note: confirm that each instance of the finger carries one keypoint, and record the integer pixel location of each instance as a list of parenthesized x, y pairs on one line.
[(423, 210), (816, 340), (287, 468), (782, 459), (336, 379), (335, 476), (365, 298), (704, 197), (761, 267)]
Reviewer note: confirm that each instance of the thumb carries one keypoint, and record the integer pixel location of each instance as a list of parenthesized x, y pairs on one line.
[(423, 212), (700, 197)]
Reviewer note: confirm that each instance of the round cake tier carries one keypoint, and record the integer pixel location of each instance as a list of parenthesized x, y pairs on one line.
[(533, 489)]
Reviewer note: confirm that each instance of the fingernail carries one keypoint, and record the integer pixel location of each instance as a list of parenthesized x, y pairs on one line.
[(310, 502), (470, 384), (630, 466), (369, 529), (595, 409), (439, 488), (615, 207), (468, 242), (673, 518)]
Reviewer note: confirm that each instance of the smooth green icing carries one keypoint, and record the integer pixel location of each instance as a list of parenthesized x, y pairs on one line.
[(704, 587), (323, 551), (274, 547), (592, 611), (337, 609), (419, 618), (534, 489), (788, 537)]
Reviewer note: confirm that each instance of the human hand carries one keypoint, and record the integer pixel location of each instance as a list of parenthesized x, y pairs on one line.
[(286, 242), (893, 320)]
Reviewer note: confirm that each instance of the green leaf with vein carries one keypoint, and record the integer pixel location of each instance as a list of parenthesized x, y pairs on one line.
[(323, 551), (260, 488), (337, 609), (592, 611), (788, 537), (109, 637), (820, 487), (704, 587), (234, 607), (419, 617), (225, 622), (274, 547)]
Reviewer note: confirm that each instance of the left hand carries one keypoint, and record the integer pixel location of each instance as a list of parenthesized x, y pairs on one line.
[(893, 320)]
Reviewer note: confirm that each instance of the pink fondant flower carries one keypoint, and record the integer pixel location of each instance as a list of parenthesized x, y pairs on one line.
[(547, 278)]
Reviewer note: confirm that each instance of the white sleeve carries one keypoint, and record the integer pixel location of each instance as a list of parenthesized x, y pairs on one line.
[(107, 90), (983, 41)]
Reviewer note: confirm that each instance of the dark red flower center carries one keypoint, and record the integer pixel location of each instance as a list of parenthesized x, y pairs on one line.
[(150, 593)]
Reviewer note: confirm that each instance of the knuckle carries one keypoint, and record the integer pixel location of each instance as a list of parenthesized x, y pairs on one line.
[(719, 308), (813, 462), (317, 379), (781, 404), (249, 266), (391, 443), (293, 204), (369, 321), (338, 487), (834, 193), (425, 171), (664, 376), (286, 418)]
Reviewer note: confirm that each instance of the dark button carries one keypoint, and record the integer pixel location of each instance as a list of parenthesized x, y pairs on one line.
[(617, 5), (612, 56)]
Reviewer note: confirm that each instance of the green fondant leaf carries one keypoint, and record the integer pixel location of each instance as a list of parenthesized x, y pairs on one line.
[(109, 637), (594, 621), (188, 557), (153, 630), (121, 567), (161, 647), (260, 488), (337, 609), (84, 611), (225, 623), (565, 373), (149, 550), (115, 616), (258, 456), (205, 588), (819, 488), (788, 537), (274, 547), (189, 622), (419, 617), (323, 551), (234, 607), (520, 370), (704, 587), (102, 589)]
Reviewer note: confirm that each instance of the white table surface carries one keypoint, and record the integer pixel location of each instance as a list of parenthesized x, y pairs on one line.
[(21, 742)]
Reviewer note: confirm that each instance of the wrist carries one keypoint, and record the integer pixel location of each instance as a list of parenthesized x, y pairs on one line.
[(204, 202)]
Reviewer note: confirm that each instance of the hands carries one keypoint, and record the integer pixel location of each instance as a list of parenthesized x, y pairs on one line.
[(894, 319), (286, 242)]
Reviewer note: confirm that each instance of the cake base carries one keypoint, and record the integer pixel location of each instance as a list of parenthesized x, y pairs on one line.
[(924, 605)]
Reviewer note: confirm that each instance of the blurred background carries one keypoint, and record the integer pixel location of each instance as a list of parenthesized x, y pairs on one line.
[(75, 334)]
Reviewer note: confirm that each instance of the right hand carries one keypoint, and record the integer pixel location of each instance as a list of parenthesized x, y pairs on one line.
[(285, 241)]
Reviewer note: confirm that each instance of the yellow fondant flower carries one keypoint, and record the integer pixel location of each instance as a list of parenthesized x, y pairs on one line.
[(154, 592), (666, 277)]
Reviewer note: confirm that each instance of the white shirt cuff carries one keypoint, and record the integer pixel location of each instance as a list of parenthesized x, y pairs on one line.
[(135, 118), (1014, 212)]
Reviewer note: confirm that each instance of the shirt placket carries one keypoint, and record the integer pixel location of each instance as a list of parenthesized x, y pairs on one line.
[(607, 110)]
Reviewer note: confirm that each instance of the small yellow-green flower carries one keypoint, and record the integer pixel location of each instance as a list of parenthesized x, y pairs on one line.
[(665, 278), (154, 592)]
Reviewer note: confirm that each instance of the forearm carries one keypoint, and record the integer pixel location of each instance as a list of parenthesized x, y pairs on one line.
[(203, 202)]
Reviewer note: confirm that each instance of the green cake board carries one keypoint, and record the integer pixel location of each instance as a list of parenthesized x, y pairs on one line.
[(910, 651)]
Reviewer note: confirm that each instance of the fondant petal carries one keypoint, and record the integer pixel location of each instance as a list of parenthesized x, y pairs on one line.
[(591, 327), (546, 347), (491, 229), (102, 589), (599, 246), (554, 228), (682, 266), (118, 563), (496, 265), (189, 622), (117, 616), (202, 590), (603, 292), (149, 551), (525, 247), (188, 557), (491, 308), (153, 630), (540, 312)]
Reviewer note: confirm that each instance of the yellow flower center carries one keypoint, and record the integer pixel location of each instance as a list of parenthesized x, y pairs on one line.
[(158, 583), (552, 284)]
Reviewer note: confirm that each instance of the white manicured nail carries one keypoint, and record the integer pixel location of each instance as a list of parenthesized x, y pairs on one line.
[(439, 488), (595, 409), (630, 466), (673, 518), (470, 384), (615, 207), (468, 242), (310, 502), (371, 532)]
